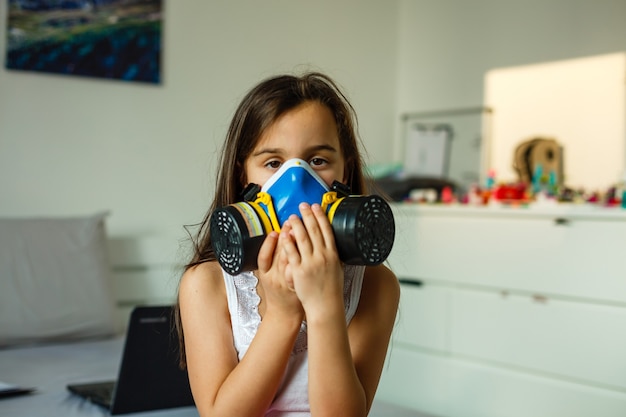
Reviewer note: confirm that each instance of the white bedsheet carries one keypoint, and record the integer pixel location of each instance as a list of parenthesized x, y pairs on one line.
[(50, 368)]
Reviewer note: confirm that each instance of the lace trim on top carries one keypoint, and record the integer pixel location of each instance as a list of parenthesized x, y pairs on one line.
[(244, 300)]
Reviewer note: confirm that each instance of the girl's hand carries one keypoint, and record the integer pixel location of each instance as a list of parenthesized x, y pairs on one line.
[(278, 293), (313, 262)]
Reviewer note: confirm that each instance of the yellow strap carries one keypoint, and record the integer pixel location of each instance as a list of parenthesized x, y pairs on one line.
[(328, 198), (267, 226), (331, 198), (264, 198)]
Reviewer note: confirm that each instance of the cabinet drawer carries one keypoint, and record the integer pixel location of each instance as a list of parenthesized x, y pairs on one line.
[(547, 254), (452, 387), (423, 316), (477, 390), (583, 342), (415, 380)]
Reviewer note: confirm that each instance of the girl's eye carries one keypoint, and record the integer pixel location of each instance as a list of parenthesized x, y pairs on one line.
[(316, 162), (273, 164)]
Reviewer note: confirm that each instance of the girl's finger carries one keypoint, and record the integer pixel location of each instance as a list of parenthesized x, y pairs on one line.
[(300, 235), (311, 223), (266, 253), (324, 225), (287, 244)]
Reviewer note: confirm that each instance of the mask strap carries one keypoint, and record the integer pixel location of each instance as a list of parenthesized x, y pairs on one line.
[(265, 198), (331, 198), (259, 210)]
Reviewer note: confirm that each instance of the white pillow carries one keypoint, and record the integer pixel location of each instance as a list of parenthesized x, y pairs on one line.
[(55, 281)]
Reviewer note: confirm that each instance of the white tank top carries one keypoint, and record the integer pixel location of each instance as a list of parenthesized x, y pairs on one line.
[(292, 398)]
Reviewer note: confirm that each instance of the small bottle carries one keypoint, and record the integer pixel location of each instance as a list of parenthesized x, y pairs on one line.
[(491, 179), (552, 184), (447, 196), (537, 179), (489, 185), (622, 187)]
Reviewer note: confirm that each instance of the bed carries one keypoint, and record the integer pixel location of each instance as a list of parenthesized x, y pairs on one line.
[(66, 290), (50, 368)]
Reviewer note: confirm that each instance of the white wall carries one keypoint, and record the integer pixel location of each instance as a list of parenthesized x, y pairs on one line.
[(581, 103), (72, 145), (445, 47)]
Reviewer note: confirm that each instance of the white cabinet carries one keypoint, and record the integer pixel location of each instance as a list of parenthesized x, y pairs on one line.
[(520, 312)]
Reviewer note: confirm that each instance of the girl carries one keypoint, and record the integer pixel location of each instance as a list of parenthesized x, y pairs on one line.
[(302, 335)]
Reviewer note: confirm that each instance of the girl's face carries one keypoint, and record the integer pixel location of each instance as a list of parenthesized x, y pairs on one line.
[(308, 132)]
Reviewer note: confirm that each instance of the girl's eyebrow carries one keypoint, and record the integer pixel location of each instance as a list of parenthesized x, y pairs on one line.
[(323, 147), (271, 151), (278, 151)]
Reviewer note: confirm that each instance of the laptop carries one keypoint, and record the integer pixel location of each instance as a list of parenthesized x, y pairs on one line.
[(149, 377)]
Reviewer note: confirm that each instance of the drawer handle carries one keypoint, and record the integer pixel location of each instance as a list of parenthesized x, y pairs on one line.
[(411, 282), (561, 221)]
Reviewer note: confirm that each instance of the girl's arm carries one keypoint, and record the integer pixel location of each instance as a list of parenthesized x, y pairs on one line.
[(221, 385), (345, 363)]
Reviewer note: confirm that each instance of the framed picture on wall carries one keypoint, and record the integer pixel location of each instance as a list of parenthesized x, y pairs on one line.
[(114, 39)]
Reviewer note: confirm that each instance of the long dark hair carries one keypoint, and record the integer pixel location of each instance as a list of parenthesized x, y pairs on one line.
[(261, 106)]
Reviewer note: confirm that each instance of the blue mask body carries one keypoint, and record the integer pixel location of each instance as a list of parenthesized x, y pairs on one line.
[(295, 182)]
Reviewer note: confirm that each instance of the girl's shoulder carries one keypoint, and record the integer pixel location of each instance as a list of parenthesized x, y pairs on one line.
[(380, 285), (381, 272), (203, 278), (205, 267)]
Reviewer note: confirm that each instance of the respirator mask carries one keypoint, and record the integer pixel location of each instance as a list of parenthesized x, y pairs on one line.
[(363, 226)]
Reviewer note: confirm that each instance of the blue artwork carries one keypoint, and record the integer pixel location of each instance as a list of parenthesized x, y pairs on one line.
[(115, 39)]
